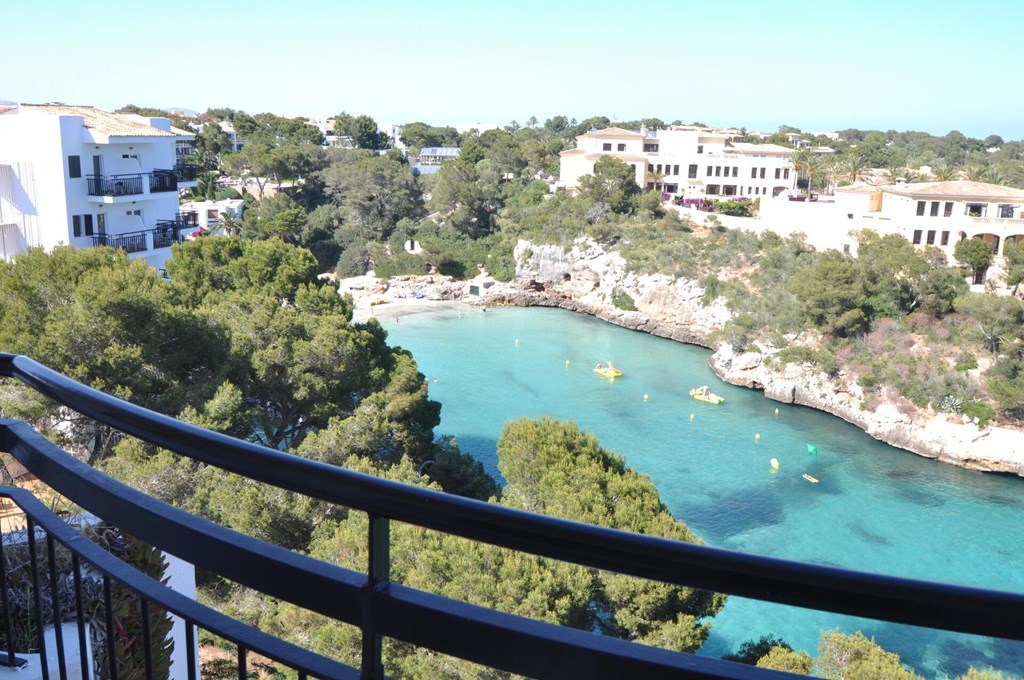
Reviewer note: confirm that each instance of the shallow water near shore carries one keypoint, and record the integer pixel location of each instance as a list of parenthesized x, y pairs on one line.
[(875, 508)]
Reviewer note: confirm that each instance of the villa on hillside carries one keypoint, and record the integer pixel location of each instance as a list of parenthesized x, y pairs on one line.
[(431, 158), (926, 213), (436, 155), (684, 160), (209, 215), (79, 176)]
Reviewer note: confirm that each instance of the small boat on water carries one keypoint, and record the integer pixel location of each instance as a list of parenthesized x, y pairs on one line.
[(607, 370), (704, 394)]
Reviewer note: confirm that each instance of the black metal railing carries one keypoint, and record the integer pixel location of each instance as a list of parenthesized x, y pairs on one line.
[(131, 242), (166, 233), (78, 582), (114, 185), (163, 180), (186, 172), (382, 608)]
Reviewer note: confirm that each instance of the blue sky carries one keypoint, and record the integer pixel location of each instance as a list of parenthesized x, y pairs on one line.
[(932, 65)]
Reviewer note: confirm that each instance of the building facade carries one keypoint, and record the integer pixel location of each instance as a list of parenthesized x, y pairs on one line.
[(938, 214), (686, 161), (79, 176)]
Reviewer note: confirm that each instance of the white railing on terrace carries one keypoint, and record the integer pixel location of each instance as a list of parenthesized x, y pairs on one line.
[(1007, 221)]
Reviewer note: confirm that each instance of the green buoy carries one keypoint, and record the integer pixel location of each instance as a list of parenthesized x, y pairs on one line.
[(812, 449)]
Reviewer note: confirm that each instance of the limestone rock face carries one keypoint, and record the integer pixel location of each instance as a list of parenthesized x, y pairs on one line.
[(584, 278), (929, 434)]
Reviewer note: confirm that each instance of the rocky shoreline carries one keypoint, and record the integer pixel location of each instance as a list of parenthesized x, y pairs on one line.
[(585, 278)]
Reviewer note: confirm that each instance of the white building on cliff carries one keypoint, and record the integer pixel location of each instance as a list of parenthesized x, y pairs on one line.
[(80, 176), (938, 214), (683, 160)]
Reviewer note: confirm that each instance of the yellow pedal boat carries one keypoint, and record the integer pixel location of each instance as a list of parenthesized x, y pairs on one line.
[(704, 394), (607, 370)]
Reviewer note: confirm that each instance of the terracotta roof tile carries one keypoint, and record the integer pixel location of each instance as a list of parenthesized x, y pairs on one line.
[(612, 132), (956, 188), (112, 124)]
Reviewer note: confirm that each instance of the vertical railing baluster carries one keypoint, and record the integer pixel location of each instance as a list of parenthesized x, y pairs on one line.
[(147, 639), (243, 671), (190, 649), (58, 616), (5, 598), (36, 596), (83, 653), (108, 605), (379, 575)]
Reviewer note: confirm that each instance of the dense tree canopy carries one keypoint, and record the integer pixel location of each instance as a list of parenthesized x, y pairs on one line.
[(362, 130)]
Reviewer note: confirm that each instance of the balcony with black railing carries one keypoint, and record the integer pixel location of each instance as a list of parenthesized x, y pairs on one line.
[(130, 242), (162, 180), (115, 185), (169, 232), (186, 172), (164, 234), (381, 608)]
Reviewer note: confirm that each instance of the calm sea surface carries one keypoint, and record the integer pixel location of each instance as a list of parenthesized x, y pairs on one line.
[(876, 508)]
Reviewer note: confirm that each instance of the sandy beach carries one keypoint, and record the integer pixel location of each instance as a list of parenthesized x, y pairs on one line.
[(396, 308)]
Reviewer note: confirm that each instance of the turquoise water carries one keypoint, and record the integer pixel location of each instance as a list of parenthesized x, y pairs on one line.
[(876, 508)]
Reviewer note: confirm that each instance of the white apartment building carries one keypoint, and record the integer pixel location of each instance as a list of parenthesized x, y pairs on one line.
[(936, 214), (687, 161), (210, 214), (80, 176)]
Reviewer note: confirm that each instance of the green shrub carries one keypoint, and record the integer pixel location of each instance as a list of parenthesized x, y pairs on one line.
[(980, 410), (712, 286), (622, 300), (735, 208), (225, 193), (354, 261), (824, 358), (966, 362), (796, 355)]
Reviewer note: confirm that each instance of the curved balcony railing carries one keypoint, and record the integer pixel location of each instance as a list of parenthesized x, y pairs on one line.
[(382, 608)]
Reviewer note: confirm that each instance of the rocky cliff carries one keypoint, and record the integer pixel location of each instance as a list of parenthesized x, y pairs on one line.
[(585, 278)]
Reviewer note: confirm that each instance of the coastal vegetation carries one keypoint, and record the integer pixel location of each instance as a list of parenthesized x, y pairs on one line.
[(246, 339)]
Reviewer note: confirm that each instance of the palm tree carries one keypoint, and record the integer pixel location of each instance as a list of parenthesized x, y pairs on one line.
[(944, 173), (852, 168), (800, 160), (918, 176), (975, 173), (813, 165), (996, 176), (654, 178), (206, 185), (896, 172)]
